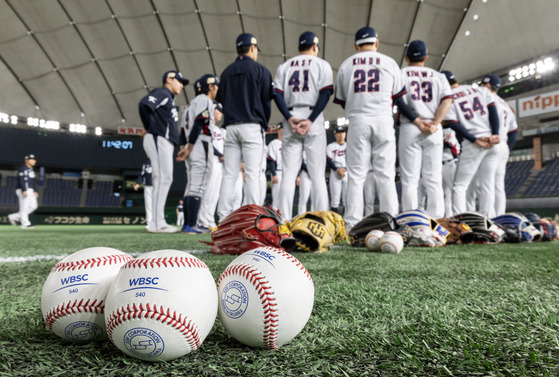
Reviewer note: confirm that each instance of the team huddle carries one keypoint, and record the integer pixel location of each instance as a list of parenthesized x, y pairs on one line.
[(452, 146)]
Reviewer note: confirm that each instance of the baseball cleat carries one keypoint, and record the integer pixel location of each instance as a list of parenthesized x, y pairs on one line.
[(12, 220), (168, 229), (28, 227)]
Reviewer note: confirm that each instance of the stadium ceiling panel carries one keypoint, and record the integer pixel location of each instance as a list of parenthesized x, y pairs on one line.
[(90, 61)]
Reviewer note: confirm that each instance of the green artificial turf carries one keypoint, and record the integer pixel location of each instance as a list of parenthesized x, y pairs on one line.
[(472, 310)]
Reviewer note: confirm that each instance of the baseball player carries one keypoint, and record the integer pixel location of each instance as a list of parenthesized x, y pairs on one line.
[(275, 164), (508, 134), (368, 83), (196, 148), (370, 193), (160, 116), (145, 179), (451, 151), (474, 116), (336, 161), (304, 85), (206, 215), (180, 214), (26, 193), (246, 92), (420, 148)]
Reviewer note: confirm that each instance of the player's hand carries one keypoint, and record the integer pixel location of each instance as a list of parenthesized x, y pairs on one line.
[(298, 181), (341, 172), (36, 194), (24, 194), (304, 126), (293, 123), (136, 186), (222, 158), (182, 155), (483, 142), (494, 139), (275, 180)]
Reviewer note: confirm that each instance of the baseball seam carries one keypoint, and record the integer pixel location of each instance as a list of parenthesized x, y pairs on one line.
[(146, 311), (292, 259), (269, 305), (73, 307), (165, 262), (92, 262)]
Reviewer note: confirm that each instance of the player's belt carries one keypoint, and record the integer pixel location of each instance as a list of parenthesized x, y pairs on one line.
[(301, 107), (449, 161)]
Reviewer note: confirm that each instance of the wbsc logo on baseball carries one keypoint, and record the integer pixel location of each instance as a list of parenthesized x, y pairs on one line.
[(234, 299)]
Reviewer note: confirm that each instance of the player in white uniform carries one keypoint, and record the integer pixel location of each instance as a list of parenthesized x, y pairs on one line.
[(145, 178), (305, 188), (508, 132), (275, 165), (206, 215), (451, 151), (196, 149), (474, 116), (366, 86), (336, 161), (26, 193), (370, 192), (420, 148), (303, 86)]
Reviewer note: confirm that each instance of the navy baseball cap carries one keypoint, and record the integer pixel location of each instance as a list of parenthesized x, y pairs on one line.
[(416, 49), (30, 157), (449, 75), (218, 106), (308, 38), (492, 79), (365, 35), (339, 129), (175, 75), (246, 39), (205, 81)]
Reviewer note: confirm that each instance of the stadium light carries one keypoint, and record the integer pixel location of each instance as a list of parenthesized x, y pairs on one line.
[(98, 131), (77, 128), (327, 124), (528, 70)]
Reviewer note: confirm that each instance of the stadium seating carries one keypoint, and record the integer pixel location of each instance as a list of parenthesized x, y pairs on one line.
[(517, 172), (546, 182), (101, 195), (61, 193)]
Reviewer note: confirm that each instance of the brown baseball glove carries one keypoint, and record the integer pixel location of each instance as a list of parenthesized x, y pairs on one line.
[(460, 232)]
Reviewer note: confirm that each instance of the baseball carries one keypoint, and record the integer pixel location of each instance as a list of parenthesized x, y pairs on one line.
[(372, 239), (391, 242), (161, 306), (265, 297), (73, 296)]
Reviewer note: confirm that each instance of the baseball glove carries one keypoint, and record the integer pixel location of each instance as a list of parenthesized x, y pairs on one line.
[(249, 227), (426, 231), (484, 230), (459, 232), (518, 222), (317, 231), (546, 228), (381, 221)]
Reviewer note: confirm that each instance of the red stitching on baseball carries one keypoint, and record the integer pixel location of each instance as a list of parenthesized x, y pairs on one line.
[(271, 320), (292, 259), (73, 307), (182, 324), (92, 262), (166, 262)]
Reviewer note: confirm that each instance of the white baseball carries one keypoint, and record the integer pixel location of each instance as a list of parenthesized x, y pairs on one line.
[(161, 305), (391, 242), (266, 297), (372, 240), (73, 296)]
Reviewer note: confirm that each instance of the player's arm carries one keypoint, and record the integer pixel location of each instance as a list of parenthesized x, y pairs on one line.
[(323, 98), (442, 110), (330, 163), (494, 122), (511, 140), (465, 134), (268, 93), (282, 106)]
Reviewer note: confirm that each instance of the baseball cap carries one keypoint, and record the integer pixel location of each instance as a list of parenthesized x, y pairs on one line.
[(492, 79), (365, 35), (416, 49), (339, 129), (308, 38), (246, 39), (205, 81), (449, 75), (175, 75), (30, 157), (218, 106)]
